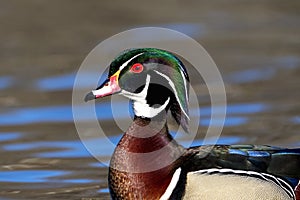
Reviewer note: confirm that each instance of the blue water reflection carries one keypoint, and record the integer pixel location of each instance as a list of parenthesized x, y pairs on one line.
[(38, 114), (9, 136), (232, 109), (29, 176), (39, 176), (5, 82), (59, 82), (296, 120), (104, 190), (67, 149), (76, 149), (229, 121), (66, 81), (236, 114), (289, 61), (250, 75), (76, 181), (264, 73), (63, 113)]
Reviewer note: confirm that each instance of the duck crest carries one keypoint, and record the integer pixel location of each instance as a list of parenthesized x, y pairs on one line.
[(163, 69)]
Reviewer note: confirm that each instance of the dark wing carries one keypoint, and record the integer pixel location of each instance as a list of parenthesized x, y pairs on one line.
[(273, 160)]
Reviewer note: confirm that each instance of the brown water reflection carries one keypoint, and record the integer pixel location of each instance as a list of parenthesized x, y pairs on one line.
[(255, 45)]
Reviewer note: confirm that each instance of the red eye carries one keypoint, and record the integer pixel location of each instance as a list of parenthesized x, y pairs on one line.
[(137, 68)]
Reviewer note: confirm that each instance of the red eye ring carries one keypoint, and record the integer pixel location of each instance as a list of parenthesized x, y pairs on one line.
[(137, 68)]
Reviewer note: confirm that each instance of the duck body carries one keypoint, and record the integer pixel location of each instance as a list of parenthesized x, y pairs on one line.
[(206, 172), (149, 164)]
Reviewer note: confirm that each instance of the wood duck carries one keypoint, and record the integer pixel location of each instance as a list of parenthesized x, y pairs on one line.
[(149, 164)]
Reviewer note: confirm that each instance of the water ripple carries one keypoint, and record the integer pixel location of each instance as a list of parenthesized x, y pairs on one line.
[(66, 81), (63, 113), (296, 120), (5, 82), (9, 136), (29, 176), (233, 109), (250, 75)]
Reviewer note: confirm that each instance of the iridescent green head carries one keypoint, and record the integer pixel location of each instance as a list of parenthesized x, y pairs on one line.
[(154, 79)]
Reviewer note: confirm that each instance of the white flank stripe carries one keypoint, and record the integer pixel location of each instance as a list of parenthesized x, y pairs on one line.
[(172, 185), (126, 63), (267, 177)]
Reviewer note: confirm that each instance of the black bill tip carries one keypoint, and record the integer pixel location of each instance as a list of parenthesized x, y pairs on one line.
[(89, 96)]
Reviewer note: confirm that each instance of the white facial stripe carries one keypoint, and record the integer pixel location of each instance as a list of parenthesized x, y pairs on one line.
[(172, 185), (185, 86), (126, 63), (174, 89), (140, 106)]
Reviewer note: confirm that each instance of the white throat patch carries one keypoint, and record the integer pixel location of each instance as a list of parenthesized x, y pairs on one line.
[(140, 106)]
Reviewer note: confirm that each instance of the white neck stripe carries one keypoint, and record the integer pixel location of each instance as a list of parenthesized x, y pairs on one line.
[(126, 63), (172, 185)]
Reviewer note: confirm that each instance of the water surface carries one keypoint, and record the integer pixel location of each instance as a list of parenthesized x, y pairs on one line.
[(255, 45)]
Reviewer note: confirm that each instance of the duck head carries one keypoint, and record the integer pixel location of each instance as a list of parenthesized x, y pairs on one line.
[(155, 80)]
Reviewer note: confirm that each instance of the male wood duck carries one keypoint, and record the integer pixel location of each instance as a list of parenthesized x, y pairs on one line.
[(149, 164)]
